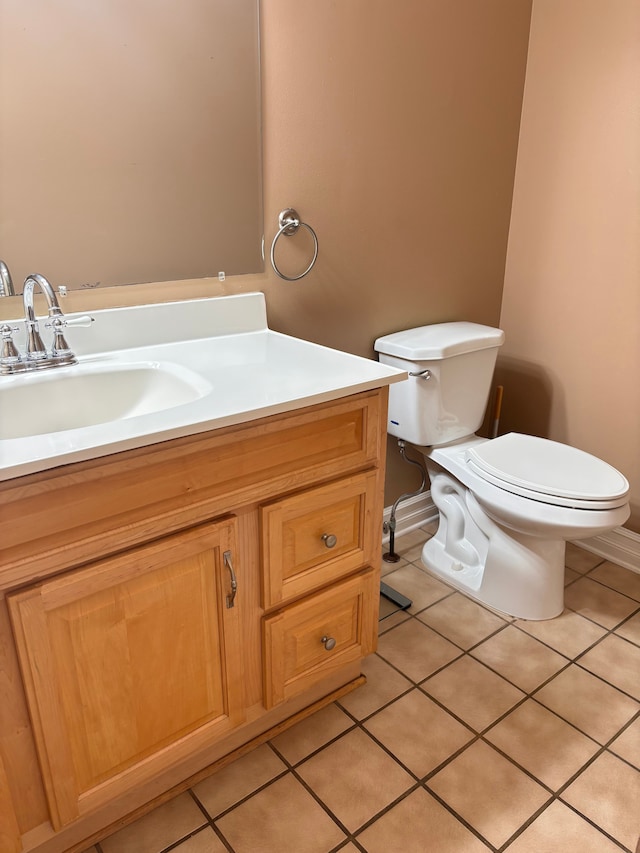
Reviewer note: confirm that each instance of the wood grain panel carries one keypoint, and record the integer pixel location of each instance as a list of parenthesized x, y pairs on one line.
[(17, 749), (9, 830), (124, 660)]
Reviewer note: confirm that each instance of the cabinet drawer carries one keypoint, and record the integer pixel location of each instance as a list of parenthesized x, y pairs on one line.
[(315, 537), (316, 636)]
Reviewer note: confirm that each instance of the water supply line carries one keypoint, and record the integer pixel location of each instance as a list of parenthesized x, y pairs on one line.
[(391, 556), (401, 601), (497, 409)]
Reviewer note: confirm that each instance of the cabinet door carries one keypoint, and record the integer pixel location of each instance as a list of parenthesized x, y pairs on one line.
[(317, 536), (131, 664), (314, 637)]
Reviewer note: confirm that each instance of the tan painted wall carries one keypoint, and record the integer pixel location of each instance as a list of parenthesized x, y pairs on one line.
[(571, 307), (393, 128)]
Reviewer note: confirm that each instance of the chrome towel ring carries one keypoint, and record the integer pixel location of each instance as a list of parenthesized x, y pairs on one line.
[(289, 222)]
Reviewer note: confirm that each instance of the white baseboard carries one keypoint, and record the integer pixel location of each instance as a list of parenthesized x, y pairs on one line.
[(620, 546), (411, 514)]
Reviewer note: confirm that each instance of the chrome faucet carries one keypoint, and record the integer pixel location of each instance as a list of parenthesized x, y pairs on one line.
[(37, 357), (6, 285), (36, 351)]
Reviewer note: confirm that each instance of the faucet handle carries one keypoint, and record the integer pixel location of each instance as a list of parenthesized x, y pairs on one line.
[(59, 321), (61, 351), (84, 320), (60, 347), (9, 351), (10, 359)]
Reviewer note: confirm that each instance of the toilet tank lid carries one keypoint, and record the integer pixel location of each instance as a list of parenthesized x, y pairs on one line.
[(441, 340)]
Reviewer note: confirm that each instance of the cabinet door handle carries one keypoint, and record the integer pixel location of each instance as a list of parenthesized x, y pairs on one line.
[(234, 583), (329, 540), (329, 643)]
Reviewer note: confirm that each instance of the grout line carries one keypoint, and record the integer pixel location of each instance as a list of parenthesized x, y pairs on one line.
[(461, 820), (435, 671), (343, 846), (542, 809), (292, 770), (210, 823), (595, 826), (604, 681), (624, 622), (564, 720), (385, 810), (177, 844), (609, 630), (608, 585), (295, 764), (383, 707), (242, 800), (591, 568), (635, 718), (542, 684), (564, 654)]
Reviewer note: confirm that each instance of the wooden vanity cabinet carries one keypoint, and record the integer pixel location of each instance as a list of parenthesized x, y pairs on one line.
[(129, 663), (173, 605)]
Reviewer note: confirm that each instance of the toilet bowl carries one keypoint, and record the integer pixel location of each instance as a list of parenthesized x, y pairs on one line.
[(507, 505), (503, 542)]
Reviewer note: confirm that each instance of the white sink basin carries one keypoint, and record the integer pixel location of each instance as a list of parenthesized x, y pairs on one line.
[(87, 394)]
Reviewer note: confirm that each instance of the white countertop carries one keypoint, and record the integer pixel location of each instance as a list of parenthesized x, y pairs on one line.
[(245, 371)]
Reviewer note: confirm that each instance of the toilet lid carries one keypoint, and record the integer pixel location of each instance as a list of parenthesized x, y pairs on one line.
[(548, 471)]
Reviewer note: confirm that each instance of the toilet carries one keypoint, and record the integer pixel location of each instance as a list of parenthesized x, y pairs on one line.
[(506, 505)]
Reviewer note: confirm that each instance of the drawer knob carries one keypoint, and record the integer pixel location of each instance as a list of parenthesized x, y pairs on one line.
[(329, 540), (329, 643)]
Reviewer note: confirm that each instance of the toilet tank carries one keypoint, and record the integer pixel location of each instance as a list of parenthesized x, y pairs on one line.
[(450, 404)]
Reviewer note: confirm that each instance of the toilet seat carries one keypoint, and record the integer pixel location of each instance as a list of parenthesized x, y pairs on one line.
[(548, 471)]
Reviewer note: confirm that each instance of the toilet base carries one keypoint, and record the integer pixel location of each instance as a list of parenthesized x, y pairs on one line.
[(516, 574)]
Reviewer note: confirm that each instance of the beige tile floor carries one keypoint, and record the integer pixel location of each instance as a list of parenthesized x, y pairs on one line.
[(474, 732)]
